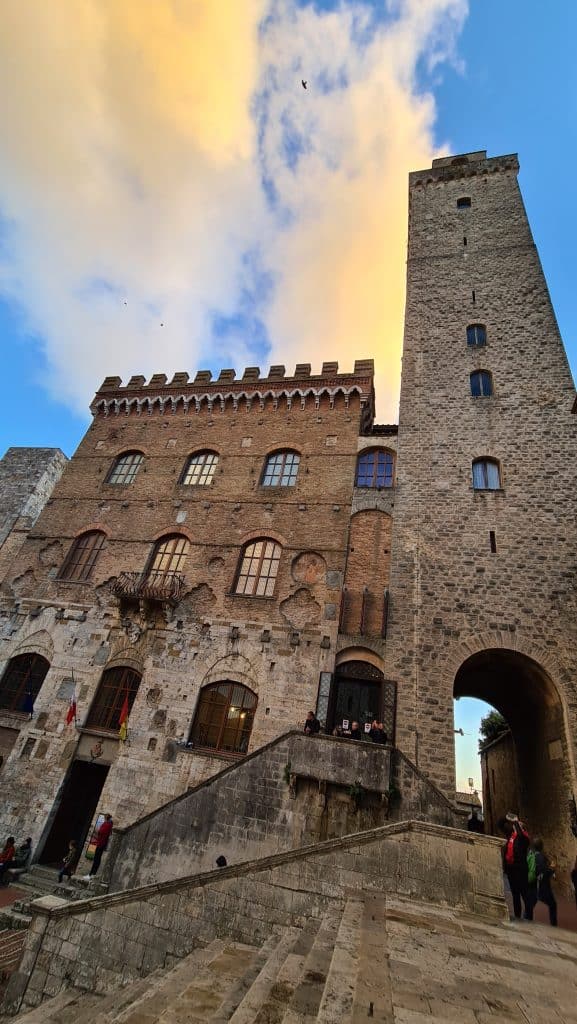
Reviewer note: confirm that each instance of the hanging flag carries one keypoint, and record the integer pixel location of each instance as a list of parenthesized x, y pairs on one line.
[(123, 720), (71, 714), (28, 706)]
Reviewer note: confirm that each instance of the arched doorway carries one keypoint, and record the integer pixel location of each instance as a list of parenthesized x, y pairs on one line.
[(533, 768), (361, 693)]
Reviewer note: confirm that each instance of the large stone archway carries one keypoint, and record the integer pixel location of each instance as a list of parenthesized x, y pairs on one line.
[(523, 691)]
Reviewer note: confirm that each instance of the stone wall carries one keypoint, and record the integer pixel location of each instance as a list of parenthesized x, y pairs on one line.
[(500, 780), (99, 943), (485, 575), (292, 792), (27, 479)]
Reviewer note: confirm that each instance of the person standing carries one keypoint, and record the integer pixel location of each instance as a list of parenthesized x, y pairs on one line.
[(377, 732), (70, 861), (515, 865), (312, 724), (545, 873), (7, 857), (102, 837), (474, 823), (355, 733)]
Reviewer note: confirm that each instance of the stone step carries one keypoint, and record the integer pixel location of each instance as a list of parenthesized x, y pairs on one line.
[(373, 993), (193, 989), (264, 999), (238, 991), (306, 999), (339, 991), (61, 1009)]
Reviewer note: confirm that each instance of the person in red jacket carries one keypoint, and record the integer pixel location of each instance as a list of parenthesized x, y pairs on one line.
[(515, 865), (7, 857), (102, 837)]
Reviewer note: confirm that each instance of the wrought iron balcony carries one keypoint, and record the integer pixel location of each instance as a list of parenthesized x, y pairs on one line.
[(162, 587)]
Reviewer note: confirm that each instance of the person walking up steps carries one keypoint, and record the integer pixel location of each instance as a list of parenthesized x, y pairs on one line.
[(102, 838)]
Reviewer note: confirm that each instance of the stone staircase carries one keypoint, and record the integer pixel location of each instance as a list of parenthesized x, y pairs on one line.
[(385, 957), (43, 881)]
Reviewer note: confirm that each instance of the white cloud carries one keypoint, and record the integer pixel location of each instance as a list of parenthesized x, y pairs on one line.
[(134, 140)]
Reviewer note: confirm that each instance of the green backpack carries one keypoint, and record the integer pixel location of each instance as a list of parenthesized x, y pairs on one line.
[(532, 867)]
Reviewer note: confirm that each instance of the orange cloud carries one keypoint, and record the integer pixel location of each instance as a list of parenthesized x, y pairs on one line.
[(136, 138)]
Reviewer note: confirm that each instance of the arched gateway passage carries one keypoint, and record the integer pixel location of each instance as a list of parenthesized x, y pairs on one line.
[(533, 769)]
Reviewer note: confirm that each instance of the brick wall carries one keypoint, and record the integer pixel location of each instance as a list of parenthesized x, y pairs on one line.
[(277, 647)]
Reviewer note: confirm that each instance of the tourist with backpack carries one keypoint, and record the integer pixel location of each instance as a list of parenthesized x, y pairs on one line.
[(544, 872), (515, 864)]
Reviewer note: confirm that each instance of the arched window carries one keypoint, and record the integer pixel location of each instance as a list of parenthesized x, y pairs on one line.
[(464, 203), (281, 469), (486, 475), (258, 568), (125, 468), (375, 468), (481, 384), (224, 718), (476, 334), (21, 682), (81, 558), (168, 558), (199, 469), (116, 685)]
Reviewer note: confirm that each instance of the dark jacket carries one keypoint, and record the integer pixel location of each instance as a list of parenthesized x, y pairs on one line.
[(312, 726), (356, 734), (378, 735)]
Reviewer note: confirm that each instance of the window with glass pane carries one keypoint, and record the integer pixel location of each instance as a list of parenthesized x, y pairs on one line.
[(168, 557), (481, 384), (281, 469), (125, 468), (224, 718), (200, 468), (23, 677), (116, 685), (486, 475), (258, 568), (375, 468), (81, 558), (476, 334)]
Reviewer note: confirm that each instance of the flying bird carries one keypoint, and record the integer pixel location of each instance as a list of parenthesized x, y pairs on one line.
[(303, 83)]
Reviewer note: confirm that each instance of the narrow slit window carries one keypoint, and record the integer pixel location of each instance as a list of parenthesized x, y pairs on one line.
[(464, 203), (492, 542)]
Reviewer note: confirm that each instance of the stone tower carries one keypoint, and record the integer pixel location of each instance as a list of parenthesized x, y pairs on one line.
[(483, 598)]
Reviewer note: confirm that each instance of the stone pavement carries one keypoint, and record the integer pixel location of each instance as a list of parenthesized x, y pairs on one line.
[(387, 958)]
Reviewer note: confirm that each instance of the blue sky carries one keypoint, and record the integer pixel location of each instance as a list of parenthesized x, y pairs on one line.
[(200, 220)]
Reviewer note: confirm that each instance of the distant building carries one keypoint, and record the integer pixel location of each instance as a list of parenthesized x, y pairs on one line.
[(500, 775)]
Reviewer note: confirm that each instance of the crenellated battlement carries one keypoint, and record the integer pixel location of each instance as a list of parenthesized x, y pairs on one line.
[(158, 393), (464, 165)]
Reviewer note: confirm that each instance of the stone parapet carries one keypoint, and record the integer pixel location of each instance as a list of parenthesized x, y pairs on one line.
[(100, 943), (158, 393)]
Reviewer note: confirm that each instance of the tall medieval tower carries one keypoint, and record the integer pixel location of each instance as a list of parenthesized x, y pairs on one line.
[(483, 598)]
